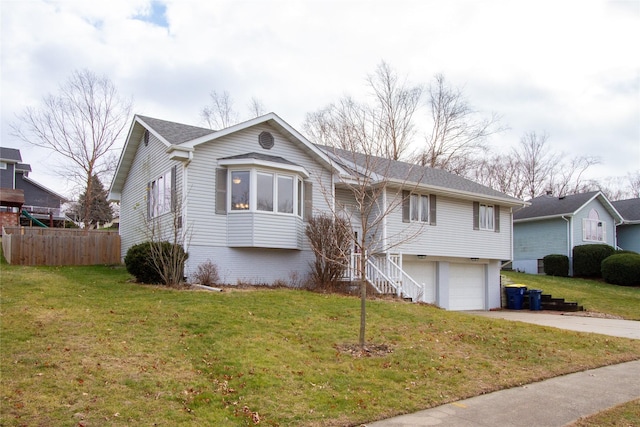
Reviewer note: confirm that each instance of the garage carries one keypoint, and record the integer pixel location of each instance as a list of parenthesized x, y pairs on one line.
[(466, 286), (423, 272)]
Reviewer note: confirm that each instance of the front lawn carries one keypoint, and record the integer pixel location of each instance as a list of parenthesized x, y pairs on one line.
[(84, 346), (593, 295)]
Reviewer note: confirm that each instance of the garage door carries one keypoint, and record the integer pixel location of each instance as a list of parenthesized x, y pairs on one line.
[(423, 272), (466, 287)]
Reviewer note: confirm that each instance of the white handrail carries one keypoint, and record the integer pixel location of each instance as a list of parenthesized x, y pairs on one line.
[(408, 287)]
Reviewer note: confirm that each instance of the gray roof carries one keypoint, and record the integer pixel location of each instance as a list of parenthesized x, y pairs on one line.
[(412, 173), (175, 133), (10, 154), (259, 156), (545, 206), (629, 209)]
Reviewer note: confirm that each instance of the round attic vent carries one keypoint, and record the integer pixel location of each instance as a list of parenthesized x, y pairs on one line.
[(266, 140)]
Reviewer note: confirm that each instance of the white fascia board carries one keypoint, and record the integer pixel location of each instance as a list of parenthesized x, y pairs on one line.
[(469, 195), (114, 196), (263, 119), (264, 163), (544, 218)]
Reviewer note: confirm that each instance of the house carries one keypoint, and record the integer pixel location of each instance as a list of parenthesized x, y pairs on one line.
[(243, 195), (555, 225), (628, 232), (22, 196)]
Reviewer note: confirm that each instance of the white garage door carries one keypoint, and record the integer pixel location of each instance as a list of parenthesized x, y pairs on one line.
[(466, 287), (423, 272)]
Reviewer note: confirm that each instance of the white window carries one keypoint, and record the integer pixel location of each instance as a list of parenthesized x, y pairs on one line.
[(265, 192), (272, 192), (419, 207), (160, 195), (593, 230), (285, 194), (3, 165), (486, 217), (240, 190)]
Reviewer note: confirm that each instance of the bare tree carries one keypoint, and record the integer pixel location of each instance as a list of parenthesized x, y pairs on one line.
[(82, 123), (458, 135), (219, 114), (345, 124), (501, 172), (256, 108), (536, 163), (396, 103), (568, 177)]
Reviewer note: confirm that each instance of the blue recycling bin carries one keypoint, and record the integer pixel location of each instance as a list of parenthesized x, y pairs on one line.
[(535, 299), (515, 295)]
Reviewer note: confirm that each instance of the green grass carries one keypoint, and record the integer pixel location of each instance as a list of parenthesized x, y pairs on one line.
[(85, 346), (625, 415), (593, 295)]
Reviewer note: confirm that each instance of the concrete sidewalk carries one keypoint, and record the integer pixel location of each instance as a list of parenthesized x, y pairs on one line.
[(550, 403), (613, 327)]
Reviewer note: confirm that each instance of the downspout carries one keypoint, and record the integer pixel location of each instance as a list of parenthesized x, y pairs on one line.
[(569, 243)]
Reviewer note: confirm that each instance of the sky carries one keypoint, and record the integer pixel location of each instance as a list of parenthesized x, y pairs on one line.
[(567, 68)]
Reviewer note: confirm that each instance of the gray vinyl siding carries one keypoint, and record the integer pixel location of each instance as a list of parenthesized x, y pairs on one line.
[(149, 163), (211, 229), (258, 266), (453, 235), (256, 229), (7, 176), (535, 240)]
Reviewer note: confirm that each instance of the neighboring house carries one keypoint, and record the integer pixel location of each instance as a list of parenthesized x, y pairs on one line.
[(243, 196), (555, 225), (21, 193), (628, 232)]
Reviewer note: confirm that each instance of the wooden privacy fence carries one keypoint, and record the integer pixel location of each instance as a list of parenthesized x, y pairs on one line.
[(59, 246)]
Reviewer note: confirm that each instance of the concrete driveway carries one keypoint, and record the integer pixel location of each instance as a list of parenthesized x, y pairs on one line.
[(569, 321)]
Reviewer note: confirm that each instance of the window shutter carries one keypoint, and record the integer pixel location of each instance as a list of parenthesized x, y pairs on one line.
[(148, 200), (174, 179), (476, 215), (432, 209), (584, 228), (221, 191), (496, 218), (406, 206), (308, 200)]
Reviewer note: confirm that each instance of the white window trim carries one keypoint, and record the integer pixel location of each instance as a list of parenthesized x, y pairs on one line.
[(590, 227), (486, 221), (3, 165), (297, 193), (158, 209), (422, 218)]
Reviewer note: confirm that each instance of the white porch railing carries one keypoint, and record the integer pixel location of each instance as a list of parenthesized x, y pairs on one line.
[(386, 277)]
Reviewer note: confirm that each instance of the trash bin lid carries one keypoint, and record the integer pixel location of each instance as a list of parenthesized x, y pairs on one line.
[(515, 285)]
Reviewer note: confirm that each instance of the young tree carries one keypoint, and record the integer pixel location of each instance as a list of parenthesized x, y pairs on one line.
[(99, 208), (82, 124), (458, 135)]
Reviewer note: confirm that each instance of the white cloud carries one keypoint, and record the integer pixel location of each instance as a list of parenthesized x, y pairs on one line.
[(569, 68)]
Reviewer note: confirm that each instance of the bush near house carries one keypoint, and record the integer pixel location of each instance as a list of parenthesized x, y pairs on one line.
[(556, 265), (622, 269), (587, 259), (144, 261)]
